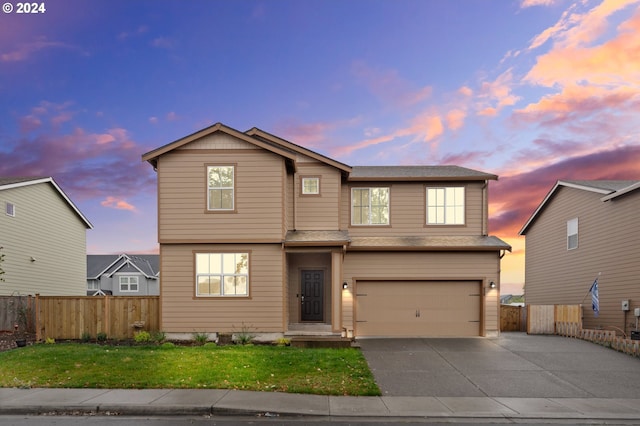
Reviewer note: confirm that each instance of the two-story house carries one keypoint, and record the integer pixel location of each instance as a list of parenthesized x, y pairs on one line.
[(123, 274), (583, 230), (257, 231), (43, 237)]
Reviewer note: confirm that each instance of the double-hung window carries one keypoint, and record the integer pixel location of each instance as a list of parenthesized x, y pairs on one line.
[(572, 234), (220, 188), (128, 283), (369, 206), (222, 274), (445, 206)]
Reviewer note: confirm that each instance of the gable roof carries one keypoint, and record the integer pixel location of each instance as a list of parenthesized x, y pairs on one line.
[(109, 264), (608, 188), (152, 156), (18, 182), (405, 173)]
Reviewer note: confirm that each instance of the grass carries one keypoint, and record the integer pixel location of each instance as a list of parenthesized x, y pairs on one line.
[(255, 368)]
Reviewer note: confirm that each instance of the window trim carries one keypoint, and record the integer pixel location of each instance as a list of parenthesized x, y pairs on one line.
[(129, 277), (576, 234), (197, 296), (10, 209), (445, 206), (309, 194), (353, 188), (207, 188)]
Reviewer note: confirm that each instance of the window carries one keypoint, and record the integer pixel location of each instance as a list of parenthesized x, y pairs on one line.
[(445, 206), (369, 206), (222, 274), (128, 283), (93, 285), (572, 234), (220, 182), (310, 186), (10, 209)]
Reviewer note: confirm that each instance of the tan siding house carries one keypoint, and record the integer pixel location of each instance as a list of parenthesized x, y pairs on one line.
[(43, 236), (259, 232), (581, 231)]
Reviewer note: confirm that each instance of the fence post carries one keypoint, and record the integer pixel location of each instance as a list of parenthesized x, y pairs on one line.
[(107, 316), (38, 318)]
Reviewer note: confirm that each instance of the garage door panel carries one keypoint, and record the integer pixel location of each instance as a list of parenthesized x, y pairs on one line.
[(418, 308)]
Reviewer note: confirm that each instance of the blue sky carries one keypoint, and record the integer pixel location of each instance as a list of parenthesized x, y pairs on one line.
[(531, 90)]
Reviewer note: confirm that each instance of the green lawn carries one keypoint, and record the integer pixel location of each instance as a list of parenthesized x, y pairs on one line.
[(256, 368)]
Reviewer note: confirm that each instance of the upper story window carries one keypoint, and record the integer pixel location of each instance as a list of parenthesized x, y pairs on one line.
[(222, 274), (128, 283), (10, 209), (310, 186), (445, 206), (369, 206), (220, 187), (572, 234)]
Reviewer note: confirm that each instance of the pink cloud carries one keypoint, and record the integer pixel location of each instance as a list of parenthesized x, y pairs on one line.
[(531, 3), (117, 203), (455, 119), (29, 123), (25, 50)]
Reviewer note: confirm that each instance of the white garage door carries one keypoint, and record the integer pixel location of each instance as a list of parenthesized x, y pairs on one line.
[(418, 308)]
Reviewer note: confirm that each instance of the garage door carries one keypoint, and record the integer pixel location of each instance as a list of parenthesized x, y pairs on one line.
[(418, 308)]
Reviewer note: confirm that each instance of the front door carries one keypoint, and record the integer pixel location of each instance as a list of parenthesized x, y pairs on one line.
[(312, 283)]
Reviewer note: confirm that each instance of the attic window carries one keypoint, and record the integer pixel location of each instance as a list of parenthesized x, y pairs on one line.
[(310, 186), (10, 209)]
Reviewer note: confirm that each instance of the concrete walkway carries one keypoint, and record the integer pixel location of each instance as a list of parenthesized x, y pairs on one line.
[(159, 402)]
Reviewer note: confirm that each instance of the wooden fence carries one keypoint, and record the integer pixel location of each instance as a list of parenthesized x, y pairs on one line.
[(74, 317), (17, 310), (513, 318), (546, 319)]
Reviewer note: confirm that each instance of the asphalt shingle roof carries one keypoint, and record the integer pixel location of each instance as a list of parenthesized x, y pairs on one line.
[(418, 172)]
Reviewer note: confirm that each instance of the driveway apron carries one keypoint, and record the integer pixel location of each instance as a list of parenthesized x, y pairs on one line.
[(513, 365)]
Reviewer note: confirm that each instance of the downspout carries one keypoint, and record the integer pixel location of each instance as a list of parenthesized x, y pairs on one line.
[(295, 204), (485, 208)]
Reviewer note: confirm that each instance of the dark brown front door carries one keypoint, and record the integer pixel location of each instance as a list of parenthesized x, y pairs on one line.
[(312, 295)]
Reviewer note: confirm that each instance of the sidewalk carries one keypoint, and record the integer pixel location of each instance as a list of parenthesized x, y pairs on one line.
[(159, 402)]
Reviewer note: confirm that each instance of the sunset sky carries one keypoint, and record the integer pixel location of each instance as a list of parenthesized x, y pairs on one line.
[(531, 90)]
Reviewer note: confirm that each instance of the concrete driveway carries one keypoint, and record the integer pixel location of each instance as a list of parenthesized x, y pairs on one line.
[(514, 365)]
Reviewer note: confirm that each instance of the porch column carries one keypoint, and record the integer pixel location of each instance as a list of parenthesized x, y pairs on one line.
[(336, 291)]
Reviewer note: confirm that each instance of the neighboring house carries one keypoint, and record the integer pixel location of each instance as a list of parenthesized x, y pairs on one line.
[(43, 235), (583, 230), (256, 231), (123, 275)]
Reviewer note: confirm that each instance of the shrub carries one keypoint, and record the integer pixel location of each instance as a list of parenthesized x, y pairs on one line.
[(142, 336), (159, 336), (283, 341), (244, 336), (101, 337), (200, 337), (49, 341), (86, 337)]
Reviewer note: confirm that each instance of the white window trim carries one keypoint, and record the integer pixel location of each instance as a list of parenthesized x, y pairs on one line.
[(570, 222), (232, 188), (304, 192), (446, 206), (222, 275), (129, 283), (10, 209), (369, 215), (93, 285)]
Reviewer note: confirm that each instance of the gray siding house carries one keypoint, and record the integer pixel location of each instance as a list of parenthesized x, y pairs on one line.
[(581, 231), (123, 275), (43, 236)]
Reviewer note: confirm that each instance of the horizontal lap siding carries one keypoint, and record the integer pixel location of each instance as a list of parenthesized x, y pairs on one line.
[(318, 212), (426, 266), (608, 235), (262, 311), (47, 229), (408, 210), (182, 198)]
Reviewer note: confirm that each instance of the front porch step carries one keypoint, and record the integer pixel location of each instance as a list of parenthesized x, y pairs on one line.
[(333, 341)]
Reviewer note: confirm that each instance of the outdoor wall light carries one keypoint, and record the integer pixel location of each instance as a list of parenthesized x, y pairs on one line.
[(345, 285), (492, 284)]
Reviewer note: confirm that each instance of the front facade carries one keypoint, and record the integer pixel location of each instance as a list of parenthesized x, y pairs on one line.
[(581, 231), (256, 231), (43, 239), (123, 275)]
